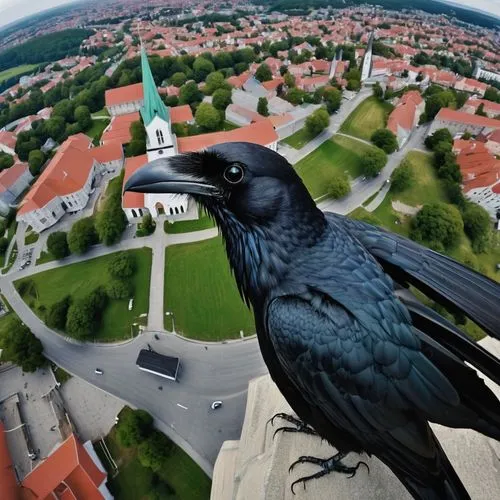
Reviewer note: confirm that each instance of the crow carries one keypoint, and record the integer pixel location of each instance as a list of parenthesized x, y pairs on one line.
[(363, 364)]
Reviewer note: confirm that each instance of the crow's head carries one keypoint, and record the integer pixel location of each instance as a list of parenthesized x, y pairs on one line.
[(262, 207), (239, 180)]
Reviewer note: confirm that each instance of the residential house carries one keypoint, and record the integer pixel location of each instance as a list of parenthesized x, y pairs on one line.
[(493, 142), (124, 100), (13, 181), (310, 84), (405, 116), (459, 122), (492, 109), (8, 142), (471, 85), (242, 116)]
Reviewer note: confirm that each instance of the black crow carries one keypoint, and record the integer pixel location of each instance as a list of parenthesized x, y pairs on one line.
[(356, 356)]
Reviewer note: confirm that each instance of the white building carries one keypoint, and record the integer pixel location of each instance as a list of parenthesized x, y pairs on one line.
[(13, 181), (486, 74)]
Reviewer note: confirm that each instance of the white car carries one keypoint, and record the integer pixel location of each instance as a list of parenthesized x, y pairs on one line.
[(215, 405), (98, 371)]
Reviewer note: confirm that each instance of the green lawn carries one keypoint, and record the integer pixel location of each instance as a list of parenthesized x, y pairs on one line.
[(201, 292), (12, 259), (299, 139), (135, 482), (61, 375), (101, 112), (31, 237), (9, 73), (78, 280), (44, 257), (338, 154), (96, 130), (187, 226), (369, 116)]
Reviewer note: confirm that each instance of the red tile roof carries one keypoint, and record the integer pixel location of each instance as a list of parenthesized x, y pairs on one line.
[(131, 199), (447, 114), (403, 114), (122, 95), (66, 173), (108, 152), (8, 138), (273, 84), (180, 114), (119, 128), (10, 175), (261, 132), (8, 484), (489, 106), (69, 467)]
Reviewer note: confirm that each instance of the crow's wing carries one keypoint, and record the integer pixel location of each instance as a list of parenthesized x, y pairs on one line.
[(442, 278), (379, 393)]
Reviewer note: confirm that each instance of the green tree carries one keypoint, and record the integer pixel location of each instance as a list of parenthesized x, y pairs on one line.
[(384, 139), (55, 127), (289, 80), (65, 109), (190, 93), (440, 135), (402, 177), (4, 243), (437, 224), (373, 162), (84, 315), (202, 67), (339, 186), (333, 98), (317, 121), (6, 161), (21, 347), (378, 91), (295, 96), (57, 244), (263, 73), (122, 265), (262, 108), (58, 313), (147, 224), (111, 221), (119, 289), (178, 79), (154, 451), (477, 226), (82, 117), (491, 94), (221, 99), (134, 427), (137, 144), (480, 110), (82, 235), (208, 117), (36, 159), (214, 82)]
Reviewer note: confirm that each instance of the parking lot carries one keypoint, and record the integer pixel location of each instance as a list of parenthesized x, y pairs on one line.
[(26, 258)]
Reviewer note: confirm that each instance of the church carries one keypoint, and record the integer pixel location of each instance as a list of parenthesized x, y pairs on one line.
[(161, 142)]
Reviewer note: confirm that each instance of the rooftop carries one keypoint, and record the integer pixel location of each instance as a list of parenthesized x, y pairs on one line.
[(131, 199), (447, 114)]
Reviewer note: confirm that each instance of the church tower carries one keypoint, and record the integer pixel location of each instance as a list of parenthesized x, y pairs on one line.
[(160, 143)]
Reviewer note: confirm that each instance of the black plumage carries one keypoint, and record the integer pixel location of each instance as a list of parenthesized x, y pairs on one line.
[(355, 355)]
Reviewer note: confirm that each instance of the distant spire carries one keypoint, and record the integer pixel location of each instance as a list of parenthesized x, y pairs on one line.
[(153, 105)]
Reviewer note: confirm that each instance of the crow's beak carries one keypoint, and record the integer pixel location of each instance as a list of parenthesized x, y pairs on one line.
[(162, 176)]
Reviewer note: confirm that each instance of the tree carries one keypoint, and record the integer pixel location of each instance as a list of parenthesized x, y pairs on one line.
[(4, 243), (122, 265), (58, 313), (82, 235), (65, 109), (440, 135), (137, 144), (154, 451), (214, 82), (21, 347), (202, 67), (147, 224), (82, 116), (84, 315), (133, 427), (208, 117), (402, 177), (480, 110), (190, 93), (339, 186), (57, 244), (289, 80), (295, 96), (491, 94), (477, 226), (221, 99), (178, 79), (378, 91), (264, 73), (333, 98), (262, 107), (317, 121), (373, 162), (437, 224), (384, 139), (119, 289), (111, 221), (353, 85), (36, 159), (6, 161), (55, 127)]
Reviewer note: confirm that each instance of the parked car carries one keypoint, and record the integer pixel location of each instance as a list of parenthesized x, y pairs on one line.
[(98, 371)]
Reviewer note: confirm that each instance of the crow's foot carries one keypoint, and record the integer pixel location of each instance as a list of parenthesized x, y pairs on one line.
[(300, 426), (332, 464)]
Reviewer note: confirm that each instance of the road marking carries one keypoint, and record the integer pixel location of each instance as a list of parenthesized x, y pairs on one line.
[(181, 406)]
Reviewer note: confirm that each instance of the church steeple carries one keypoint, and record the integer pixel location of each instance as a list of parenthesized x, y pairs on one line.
[(153, 105)]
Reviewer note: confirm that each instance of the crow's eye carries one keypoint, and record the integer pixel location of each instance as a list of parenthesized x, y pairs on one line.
[(234, 174)]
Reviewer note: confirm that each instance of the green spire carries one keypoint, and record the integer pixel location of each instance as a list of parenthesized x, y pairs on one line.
[(153, 105)]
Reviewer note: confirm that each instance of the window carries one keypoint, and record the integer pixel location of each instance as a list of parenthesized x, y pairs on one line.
[(171, 211), (133, 213), (159, 136), (54, 215), (176, 211), (182, 209), (43, 220)]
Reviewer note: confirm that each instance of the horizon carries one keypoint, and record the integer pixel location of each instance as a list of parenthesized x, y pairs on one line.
[(15, 10)]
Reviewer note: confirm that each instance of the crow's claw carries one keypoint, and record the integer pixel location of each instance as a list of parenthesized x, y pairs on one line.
[(299, 425)]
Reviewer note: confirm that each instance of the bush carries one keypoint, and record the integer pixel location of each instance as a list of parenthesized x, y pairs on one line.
[(133, 427), (317, 121), (384, 139), (442, 134), (58, 313), (57, 244), (437, 224), (154, 451), (122, 265), (119, 289), (339, 186), (373, 162), (402, 177)]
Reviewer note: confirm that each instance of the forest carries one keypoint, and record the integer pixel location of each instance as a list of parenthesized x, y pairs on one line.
[(45, 48)]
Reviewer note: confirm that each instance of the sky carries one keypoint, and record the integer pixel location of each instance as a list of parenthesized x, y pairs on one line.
[(11, 10)]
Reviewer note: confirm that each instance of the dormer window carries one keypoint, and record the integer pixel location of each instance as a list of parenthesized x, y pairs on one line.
[(159, 136)]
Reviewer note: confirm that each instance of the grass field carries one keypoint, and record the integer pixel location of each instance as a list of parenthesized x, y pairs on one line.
[(187, 226), (9, 73), (44, 257), (101, 112), (201, 292), (96, 130), (135, 482), (338, 154), (61, 375), (78, 280), (31, 237), (369, 116), (299, 139)]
